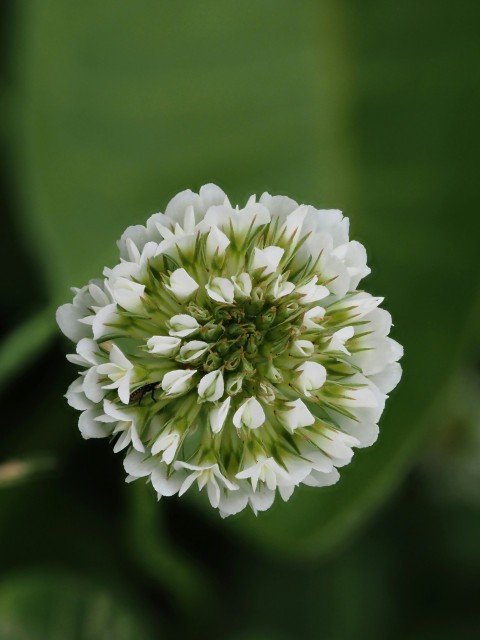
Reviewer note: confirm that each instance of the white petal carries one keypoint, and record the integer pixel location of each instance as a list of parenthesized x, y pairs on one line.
[(90, 427), (213, 491), (182, 325), (92, 385), (312, 376), (118, 358), (292, 226), (68, 317), (211, 386), (297, 415), (311, 292), (128, 294), (216, 244), (182, 285), (261, 499), (103, 321), (124, 388), (242, 285), (388, 379), (138, 464), (279, 288), (313, 317), (319, 479), (267, 259), (302, 348), (218, 415), (164, 484), (221, 290), (193, 350), (89, 351), (232, 502), (163, 345), (76, 397), (354, 256), (250, 414), (337, 342), (177, 381)]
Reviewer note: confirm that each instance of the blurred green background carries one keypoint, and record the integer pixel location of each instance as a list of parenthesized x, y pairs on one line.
[(109, 108)]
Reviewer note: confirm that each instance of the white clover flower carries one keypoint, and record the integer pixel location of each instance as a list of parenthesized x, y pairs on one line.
[(231, 349)]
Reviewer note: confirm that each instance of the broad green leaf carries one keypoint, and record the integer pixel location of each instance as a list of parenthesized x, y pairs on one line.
[(123, 104), (58, 606)]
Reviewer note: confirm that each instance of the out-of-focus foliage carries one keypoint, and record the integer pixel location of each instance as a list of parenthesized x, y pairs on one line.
[(369, 107), (57, 607)]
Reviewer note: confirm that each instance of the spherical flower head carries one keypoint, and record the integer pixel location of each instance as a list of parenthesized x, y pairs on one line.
[(231, 349)]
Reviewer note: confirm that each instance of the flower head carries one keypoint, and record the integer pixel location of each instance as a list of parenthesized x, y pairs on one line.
[(231, 350)]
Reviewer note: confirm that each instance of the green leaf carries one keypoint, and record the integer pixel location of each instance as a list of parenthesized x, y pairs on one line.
[(159, 557), (58, 606), (24, 344), (123, 104)]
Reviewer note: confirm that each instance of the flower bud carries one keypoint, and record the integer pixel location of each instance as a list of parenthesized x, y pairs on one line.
[(234, 361), (218, 415), (182, 285), (242, 285), (220, 290), (182, 325), (163, 345), (234, 384), (311, 376), (295, 415), (211, 331), (211, 386), (193, 350), (311, 292), (286, 310), (338, 339), (302, 349), (267, 259), (213, 361), (266, 320), (250, 415), (312, 318), (216, 244), (128, 294), (178, 382), (280, 288), (168, 442), (273, 374), (199, 313)]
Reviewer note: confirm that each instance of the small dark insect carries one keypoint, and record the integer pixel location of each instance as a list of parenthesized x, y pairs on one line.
[(141, 391)]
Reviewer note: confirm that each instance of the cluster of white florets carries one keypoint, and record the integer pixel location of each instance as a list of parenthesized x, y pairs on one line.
[(231, 348)]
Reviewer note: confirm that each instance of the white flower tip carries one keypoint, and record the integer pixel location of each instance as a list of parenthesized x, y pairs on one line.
[(267, 259), (312, 376), (218, 415), (178, 381), (216, 244), (163, 345), (221, 290), (250, 414), (211, 386), (182, 285)]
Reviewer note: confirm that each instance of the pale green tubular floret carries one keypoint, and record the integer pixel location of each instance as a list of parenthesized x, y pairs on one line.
[(231, 349)]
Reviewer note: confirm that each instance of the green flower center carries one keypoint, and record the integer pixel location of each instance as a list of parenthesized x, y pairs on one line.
[(245, 338)]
